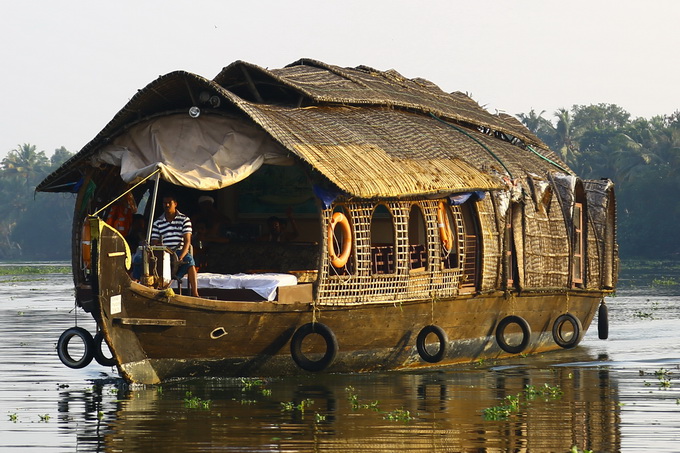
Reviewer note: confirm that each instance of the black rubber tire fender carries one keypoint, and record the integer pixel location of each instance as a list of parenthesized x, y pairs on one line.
[(99, 356), (331, 346), (603, 322), (88, 345), (500, 334), (576, 326), (443, 343)]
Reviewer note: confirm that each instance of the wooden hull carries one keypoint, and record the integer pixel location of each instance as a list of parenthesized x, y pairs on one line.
[(156, 335)]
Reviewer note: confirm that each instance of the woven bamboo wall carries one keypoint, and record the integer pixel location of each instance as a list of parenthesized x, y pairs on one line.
[(546, 246), (602, 223), (492, 244), (358, 284), (595, 250)]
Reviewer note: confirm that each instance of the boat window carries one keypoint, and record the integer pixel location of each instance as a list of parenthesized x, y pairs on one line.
[(341, 243), (511, 265), (382, 241), (417, 239), (577, 260), (471, 265), (448, 235)]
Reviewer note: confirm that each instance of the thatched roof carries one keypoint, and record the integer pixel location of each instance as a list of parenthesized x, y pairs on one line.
[(372, 133)]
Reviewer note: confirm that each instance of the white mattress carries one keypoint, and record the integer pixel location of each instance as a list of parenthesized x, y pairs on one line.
[(263, 284)]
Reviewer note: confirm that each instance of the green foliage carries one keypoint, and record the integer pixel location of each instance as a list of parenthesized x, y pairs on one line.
[(512, 404), (195, 402), (401, 414), (664, 281), (641, 156), (290, 406), (31, 270), (33, 226)]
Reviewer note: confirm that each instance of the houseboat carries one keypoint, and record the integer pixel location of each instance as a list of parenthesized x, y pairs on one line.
[(414, 229)]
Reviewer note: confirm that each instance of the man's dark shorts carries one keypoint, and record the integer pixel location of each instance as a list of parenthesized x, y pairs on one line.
[(184, 265)]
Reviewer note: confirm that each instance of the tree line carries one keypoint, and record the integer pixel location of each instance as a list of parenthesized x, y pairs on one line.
[(641, 156), (33, 226)]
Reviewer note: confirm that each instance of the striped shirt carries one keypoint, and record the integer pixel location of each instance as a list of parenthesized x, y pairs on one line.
[(171, 234)]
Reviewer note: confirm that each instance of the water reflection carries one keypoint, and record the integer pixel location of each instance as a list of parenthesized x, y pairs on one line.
[(618, 395), (436, 411)]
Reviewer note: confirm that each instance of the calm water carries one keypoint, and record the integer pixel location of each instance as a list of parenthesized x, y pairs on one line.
[(622, 394)]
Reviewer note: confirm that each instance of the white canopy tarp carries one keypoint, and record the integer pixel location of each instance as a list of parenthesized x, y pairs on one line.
[(207, 153)]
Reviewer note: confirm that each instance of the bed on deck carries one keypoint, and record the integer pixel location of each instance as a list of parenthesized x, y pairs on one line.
[(257, 287)]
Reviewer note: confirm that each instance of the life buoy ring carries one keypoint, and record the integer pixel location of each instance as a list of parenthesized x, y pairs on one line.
[(575, 333), (443, 343), (500, 334), (98, 353), (340, 219), (445, 233), (63, 351), (603, 322), (86, 245), (331, 347)]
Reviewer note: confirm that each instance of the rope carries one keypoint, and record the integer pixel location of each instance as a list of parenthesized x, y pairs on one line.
[(529, 147), (486, 148), (127, 191)]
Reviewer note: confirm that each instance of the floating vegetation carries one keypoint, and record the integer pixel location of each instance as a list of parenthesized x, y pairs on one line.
[(503, 411), (250, 384), (545, 391), (664, 377), (401, 415), (513, 403), (290, 406), (44, 418), (13, 417), (665, 281), (33, 270), (194, 402), (353, 398), (643, 314)]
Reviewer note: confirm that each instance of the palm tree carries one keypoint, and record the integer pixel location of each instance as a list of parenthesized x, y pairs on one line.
[(564, 137), (538, 125), (25, 163)]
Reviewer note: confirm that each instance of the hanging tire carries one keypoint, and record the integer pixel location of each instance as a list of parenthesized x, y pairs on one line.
[(88, 347), (97, 352), (331, 347), (603, 322), (576, 329), (443, 343), (500, 334)]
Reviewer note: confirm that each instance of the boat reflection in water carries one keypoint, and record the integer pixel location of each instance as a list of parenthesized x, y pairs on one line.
[(434, 411)]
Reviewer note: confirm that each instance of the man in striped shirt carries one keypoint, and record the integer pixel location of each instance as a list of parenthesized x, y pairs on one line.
[(173, 230)]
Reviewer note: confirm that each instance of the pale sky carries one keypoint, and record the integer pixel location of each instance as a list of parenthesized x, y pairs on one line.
[(69, 66)]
